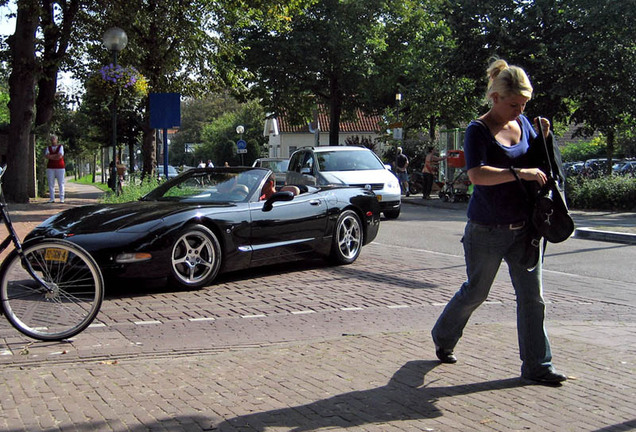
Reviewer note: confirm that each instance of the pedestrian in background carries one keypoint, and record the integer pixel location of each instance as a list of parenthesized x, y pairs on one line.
[(496, 146), (55, 168), (429, 171), (402, 162), (210, 164)]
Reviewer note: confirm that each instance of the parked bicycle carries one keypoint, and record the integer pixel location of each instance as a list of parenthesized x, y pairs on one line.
[(50, 289)]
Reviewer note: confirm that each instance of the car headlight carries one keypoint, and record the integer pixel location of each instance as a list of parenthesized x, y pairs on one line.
[(393, 185)]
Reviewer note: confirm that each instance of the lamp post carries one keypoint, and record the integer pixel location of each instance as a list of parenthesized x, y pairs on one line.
[(397, 132), (115, 40), (241, 144)]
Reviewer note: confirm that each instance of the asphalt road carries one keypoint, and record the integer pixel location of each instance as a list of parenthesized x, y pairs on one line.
[(606, 267)]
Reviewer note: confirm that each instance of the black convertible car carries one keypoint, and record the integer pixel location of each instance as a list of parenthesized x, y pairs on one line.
[(212, 220)]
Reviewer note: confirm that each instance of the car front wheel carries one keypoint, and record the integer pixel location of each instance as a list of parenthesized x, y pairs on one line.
[(195, 257), (347, 238)]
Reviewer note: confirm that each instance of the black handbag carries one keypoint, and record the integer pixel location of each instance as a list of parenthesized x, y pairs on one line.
[(551, 220)]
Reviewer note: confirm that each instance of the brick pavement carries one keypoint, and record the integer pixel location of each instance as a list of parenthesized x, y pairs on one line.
[(271, 359)]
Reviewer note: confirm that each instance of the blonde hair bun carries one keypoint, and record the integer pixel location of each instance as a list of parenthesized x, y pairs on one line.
[(506, 80)]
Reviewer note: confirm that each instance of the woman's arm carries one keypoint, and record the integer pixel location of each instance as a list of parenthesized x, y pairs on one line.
[(489, 176)]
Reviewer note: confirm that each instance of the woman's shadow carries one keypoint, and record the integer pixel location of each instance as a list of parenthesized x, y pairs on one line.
[(405, 397)]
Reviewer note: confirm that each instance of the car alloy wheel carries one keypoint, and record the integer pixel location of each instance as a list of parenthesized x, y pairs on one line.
[(195, 257), (347, 238)]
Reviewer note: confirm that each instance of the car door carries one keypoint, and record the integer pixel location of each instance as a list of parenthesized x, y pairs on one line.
[(289, 229)]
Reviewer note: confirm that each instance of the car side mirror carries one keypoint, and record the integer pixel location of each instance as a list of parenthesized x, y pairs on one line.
[(305, 171), (278, 196)]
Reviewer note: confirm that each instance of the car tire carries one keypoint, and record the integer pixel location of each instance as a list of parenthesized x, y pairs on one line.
[(347, 238), (195, 257), (392, 214)]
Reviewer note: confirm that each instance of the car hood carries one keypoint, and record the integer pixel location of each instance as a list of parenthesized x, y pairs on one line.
[(131, 217), (360, 177)]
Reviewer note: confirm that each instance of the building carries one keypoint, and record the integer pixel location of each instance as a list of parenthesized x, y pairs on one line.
[(285, 138)]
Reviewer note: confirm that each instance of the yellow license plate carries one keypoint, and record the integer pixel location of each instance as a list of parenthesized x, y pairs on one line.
[(379, 197), (54, 254)]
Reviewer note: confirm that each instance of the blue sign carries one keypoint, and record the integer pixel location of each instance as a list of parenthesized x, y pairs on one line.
[(241, 144), (165, 110)]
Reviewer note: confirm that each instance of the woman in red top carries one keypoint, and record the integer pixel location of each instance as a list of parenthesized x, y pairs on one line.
[(55, 168)]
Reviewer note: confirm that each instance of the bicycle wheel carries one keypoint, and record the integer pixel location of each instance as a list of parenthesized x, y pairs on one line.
[(69, 302)]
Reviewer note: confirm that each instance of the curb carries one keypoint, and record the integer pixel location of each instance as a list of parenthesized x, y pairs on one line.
[(608, 236)]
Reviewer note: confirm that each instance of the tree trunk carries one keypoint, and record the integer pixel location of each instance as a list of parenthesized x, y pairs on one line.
[(148, 147), (22, 100), (56, 40), (432, 128)]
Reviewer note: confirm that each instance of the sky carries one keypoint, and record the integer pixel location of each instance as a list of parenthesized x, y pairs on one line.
[(7, 26)]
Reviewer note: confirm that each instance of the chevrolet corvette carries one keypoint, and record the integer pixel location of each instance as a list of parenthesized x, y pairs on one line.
[(208, 221)]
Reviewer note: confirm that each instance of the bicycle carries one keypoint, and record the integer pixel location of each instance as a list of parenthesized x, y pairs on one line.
[(50, 289)]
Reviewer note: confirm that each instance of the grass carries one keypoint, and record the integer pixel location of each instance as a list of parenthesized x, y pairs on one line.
[(131, 191)]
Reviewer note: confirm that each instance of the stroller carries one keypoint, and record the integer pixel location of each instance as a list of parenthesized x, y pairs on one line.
[(459, 188), (456, 190)]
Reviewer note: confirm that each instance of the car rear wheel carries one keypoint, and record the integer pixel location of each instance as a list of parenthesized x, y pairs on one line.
[(347, 238), (195, 257)]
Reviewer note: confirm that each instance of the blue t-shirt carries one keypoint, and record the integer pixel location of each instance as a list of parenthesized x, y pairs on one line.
[(503, 203)]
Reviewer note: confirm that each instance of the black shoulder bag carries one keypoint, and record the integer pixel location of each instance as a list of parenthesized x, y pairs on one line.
[(550, 219)]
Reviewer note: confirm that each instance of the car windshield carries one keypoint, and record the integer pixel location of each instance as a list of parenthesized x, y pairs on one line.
[(215, 185), (353, 160), (277, 166)]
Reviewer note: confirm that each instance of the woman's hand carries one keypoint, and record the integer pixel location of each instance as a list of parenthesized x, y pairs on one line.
[(545, 125), (533, 174)]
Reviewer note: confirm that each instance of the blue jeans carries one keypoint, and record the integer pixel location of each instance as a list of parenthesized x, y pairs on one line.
[(484, 248)]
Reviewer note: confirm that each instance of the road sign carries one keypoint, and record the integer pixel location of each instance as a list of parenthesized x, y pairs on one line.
[(241, 145), (239, 151)]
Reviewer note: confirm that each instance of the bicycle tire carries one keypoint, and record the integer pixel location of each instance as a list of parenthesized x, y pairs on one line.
[(73, 300)]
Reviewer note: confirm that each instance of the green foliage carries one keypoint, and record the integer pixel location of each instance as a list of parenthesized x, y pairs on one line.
[(605, 193), (131, 191), (196, 113), (583, 150), (4, 109), (325, 55), (219, 137)]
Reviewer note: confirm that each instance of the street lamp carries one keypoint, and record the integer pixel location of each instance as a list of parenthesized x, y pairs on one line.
[(240, 144), (115, 40)]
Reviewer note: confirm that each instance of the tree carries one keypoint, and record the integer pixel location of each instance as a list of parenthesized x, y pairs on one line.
[(325, 56), (55, 19), (579, 54), (419, 59), (22, 100), (601, 48), (219, 137), (196, 113)]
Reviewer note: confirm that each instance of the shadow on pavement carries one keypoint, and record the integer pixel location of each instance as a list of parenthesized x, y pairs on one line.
[(404, 397)]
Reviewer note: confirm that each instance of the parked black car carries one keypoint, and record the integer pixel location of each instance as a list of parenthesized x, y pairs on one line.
[(212, 220)]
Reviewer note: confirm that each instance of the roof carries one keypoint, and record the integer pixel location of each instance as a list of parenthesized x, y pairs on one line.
[(362, 123)]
